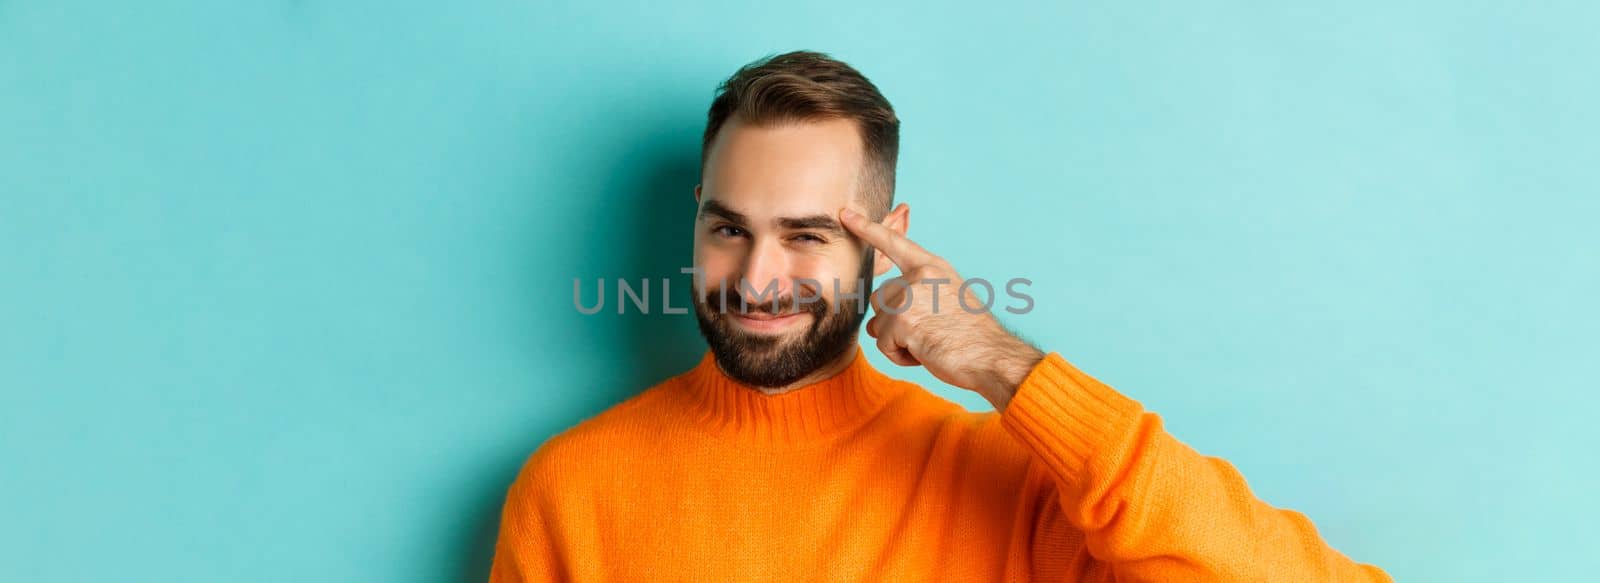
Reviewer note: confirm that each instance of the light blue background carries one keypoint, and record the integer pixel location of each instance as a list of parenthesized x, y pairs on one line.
[(287, 286)]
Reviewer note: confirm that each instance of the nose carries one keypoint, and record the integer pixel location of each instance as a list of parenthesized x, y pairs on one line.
[(767, 265)]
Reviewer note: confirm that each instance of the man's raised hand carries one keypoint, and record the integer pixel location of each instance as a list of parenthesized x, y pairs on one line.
[(920, 318)]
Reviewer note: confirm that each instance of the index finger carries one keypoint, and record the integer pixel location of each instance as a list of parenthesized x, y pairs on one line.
[(902, 251)]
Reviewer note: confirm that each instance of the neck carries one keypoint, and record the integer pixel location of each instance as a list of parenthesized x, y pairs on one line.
[(837, 400)]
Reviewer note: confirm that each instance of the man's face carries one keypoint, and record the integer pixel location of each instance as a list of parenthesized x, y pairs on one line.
[(769, 208)]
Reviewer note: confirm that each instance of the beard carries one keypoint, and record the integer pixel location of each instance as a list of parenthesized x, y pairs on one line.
[(771, 360)]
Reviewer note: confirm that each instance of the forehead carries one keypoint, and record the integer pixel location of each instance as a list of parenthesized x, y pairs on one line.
[(784, 169)]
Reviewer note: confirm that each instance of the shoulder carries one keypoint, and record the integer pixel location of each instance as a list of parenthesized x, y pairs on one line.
[(583, 453), (963, 454), (976, 437)]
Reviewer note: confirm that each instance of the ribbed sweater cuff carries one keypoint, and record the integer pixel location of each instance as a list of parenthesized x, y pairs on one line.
[(1067, 417)]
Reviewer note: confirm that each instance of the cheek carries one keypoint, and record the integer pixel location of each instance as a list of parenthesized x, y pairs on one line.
[(715, 264), (825, 270)]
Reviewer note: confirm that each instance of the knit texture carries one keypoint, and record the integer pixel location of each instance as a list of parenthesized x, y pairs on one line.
[(861, 477)]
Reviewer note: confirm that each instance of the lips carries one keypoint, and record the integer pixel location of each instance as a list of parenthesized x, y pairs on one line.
[(765, 321), (765, 316)]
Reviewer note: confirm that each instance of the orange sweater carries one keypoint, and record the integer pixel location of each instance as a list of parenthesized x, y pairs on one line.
[(865, 478)]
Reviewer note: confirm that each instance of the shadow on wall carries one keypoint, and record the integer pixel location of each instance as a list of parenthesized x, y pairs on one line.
[(648, 197)]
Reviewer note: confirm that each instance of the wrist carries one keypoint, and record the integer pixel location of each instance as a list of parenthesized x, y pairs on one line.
[(1008, 368)]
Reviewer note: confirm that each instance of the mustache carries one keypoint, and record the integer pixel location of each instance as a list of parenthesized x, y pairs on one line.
[(718, 297)]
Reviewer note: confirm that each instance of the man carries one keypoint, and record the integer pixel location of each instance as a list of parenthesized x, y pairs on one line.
[(785, 456)]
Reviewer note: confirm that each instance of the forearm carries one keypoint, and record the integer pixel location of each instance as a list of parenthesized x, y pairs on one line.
[(1150, 506)]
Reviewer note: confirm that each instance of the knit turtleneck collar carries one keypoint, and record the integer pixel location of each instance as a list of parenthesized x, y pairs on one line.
[(737, 411)]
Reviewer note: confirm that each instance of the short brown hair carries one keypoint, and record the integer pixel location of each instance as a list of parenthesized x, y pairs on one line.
[(807, 85)]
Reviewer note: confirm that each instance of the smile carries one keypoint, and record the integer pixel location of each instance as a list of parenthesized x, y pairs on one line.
[(764, 322)]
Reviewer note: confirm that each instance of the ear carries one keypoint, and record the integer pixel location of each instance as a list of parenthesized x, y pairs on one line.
[(899, 221), (697, 194)]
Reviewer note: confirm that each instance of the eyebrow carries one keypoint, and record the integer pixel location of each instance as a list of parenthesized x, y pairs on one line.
[(816, 222), (712, 207), (813, 222)]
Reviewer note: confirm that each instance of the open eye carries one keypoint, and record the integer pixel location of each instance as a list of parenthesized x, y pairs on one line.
[(809, 239), (727, 231)]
